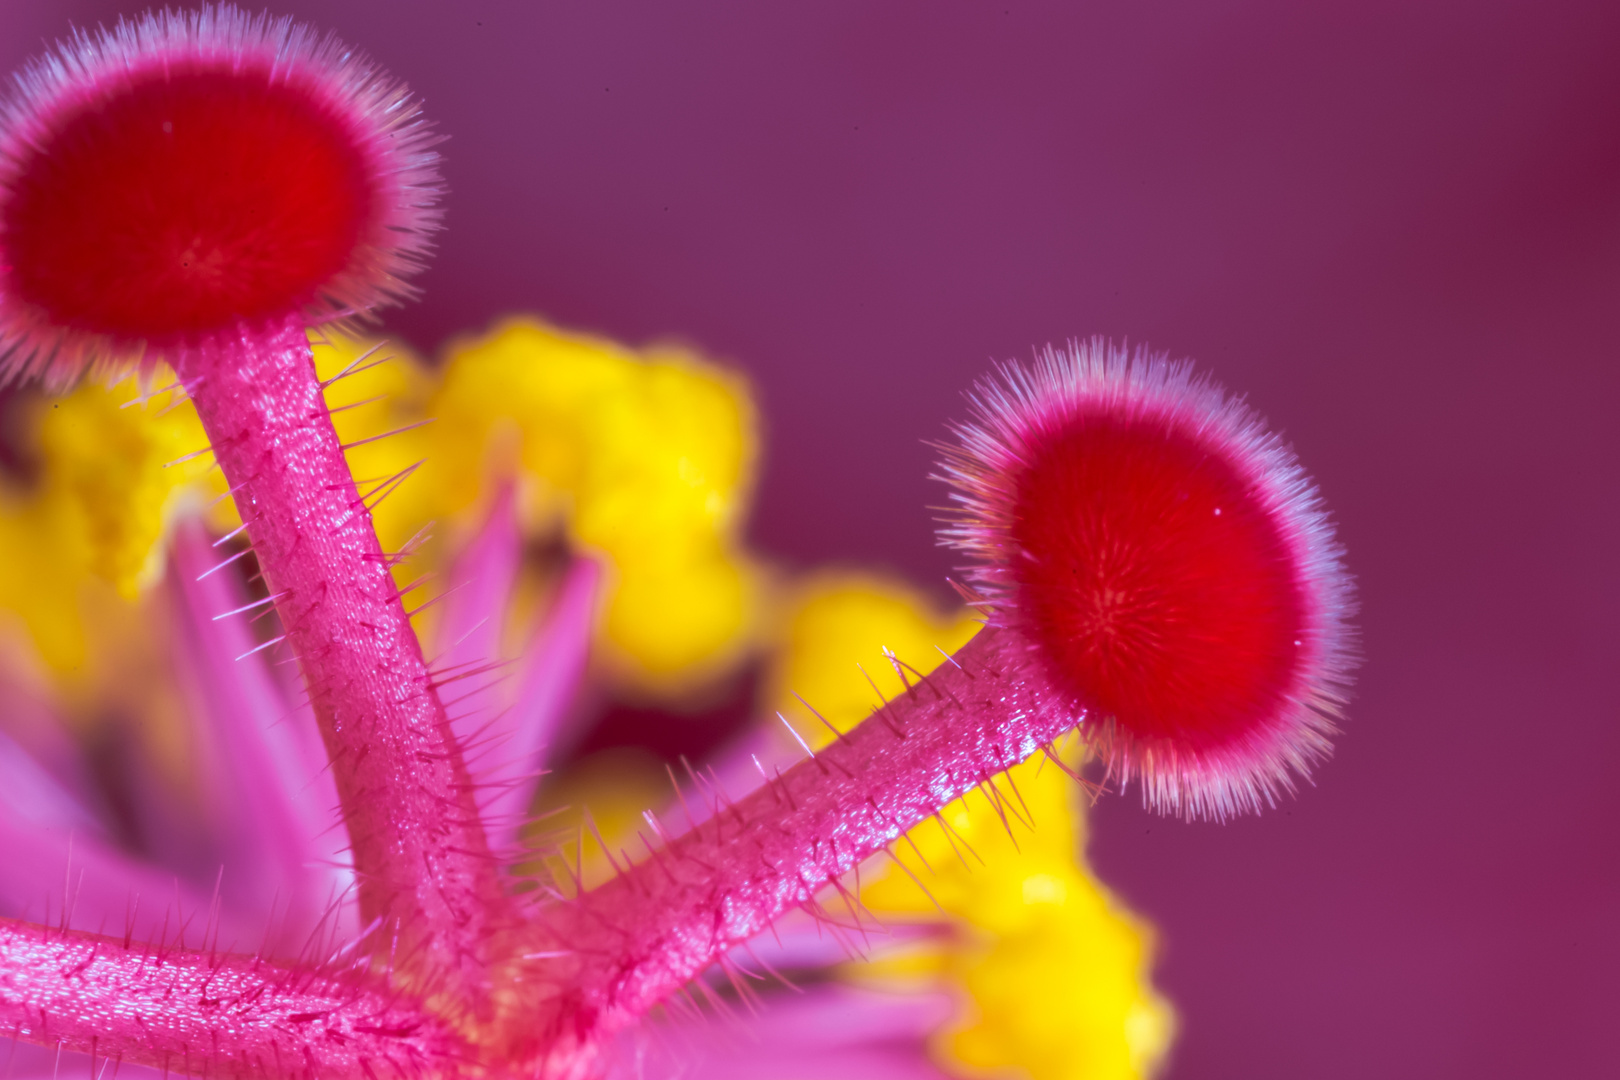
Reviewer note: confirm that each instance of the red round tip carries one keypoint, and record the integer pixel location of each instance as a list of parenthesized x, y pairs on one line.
[(1155, 577), (186, 201), (1169, 561), (188, 174)]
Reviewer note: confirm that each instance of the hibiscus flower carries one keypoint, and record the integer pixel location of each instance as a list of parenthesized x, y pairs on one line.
[(217, 732), (192, 197)]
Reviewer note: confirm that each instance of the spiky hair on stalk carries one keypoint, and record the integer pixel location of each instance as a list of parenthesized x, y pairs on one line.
[(187, 173), (1170, 563)]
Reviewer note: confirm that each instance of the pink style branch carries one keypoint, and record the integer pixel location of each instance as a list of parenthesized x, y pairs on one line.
[(1152, 567)]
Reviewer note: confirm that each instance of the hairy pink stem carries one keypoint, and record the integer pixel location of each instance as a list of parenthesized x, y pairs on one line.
[(212, 1014), (648, 932), (420, 853)]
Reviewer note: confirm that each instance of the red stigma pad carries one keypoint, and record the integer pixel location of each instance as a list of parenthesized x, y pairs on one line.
[(1169, 562), (185, 200), (1154, 578)]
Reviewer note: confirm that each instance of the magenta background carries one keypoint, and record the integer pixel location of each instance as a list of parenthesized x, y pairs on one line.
[(1395, 226)]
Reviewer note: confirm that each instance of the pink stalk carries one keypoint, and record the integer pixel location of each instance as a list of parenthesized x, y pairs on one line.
[(651, 930), (201, 1012), (419, 849), (1158, 572), (202, 187)]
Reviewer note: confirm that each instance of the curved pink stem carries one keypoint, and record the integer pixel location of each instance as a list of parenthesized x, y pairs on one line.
[(420, 854), (211, 1013), (646, 933)]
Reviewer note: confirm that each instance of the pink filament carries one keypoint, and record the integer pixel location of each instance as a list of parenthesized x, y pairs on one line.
[(419, 849), (199, 1012), (648, 932)]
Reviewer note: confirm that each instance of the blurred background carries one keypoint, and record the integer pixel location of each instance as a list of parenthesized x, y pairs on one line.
[(1394, 226)]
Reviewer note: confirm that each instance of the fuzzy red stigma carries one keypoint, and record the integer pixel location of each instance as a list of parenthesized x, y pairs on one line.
[(186, 200), (1154, 578), (184, 175), (1169, 561)]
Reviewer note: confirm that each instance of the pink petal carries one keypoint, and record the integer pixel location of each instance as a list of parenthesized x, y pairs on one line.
[(549, 677), (504, 729), (25, 1061), (469, 670), (55, 857), (30, 795), (800, 942), (49, 870), (475, 604), (828, 1031), (283, 840), (30, 719)]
